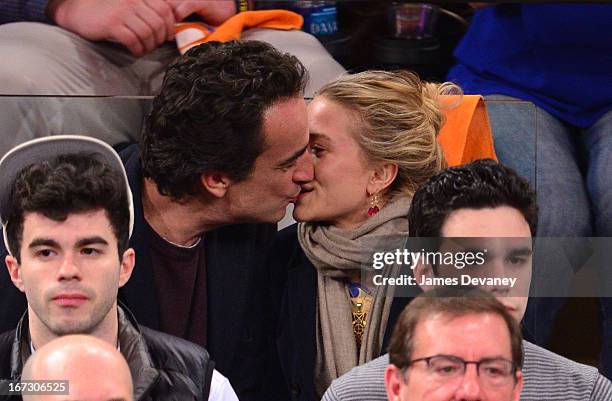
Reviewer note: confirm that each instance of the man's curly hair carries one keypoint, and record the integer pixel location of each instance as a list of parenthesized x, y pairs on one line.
[(480, 184), (72, 183), (209, 113)]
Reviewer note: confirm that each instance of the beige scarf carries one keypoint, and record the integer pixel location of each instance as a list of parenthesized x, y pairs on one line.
[(336, 253)]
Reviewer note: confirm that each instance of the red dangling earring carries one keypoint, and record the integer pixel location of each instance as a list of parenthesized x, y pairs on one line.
[(373, 206)]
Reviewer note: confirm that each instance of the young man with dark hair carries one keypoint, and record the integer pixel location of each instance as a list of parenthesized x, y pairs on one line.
[(224, 146), (444, 331), (484, 184), (484, 199), (67, 213)]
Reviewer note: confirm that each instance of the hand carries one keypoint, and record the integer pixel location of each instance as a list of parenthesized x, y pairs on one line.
[(213, 12), (140, 25)]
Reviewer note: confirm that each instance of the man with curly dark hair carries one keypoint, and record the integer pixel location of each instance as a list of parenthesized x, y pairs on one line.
[(223, 106), (224, 149)]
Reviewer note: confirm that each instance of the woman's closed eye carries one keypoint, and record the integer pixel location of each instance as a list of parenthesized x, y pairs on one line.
[(316, 150)]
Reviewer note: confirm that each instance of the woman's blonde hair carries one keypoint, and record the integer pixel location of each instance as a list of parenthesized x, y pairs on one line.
[(400, 117)]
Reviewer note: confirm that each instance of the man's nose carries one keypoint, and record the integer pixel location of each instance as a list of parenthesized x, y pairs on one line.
[(304, 170), (469, 387), (68, 269), (497, 269)]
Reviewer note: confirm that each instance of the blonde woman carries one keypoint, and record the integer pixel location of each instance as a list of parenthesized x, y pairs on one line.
[(373, 143)]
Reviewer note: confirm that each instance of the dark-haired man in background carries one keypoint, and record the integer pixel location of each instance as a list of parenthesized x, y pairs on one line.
[(484, 199), (67, 214), (224, 146)]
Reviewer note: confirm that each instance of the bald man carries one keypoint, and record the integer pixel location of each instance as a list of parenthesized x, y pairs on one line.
[(95, 370)]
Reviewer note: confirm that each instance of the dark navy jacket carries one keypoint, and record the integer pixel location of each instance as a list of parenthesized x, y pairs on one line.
[(296, 324)]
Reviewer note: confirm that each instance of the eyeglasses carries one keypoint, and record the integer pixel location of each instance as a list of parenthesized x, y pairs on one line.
[(493, 372)]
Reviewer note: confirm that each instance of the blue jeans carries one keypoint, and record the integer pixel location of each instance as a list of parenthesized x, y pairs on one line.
[(598, 143), (571, 170)]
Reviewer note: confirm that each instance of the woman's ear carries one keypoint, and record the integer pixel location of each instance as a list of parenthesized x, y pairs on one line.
[(382, 177)]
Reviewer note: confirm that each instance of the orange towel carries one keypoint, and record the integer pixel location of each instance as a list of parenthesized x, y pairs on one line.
[(189, 34), (466, 134)]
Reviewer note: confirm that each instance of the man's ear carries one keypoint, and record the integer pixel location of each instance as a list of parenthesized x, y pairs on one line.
[(382, 176), (393, 382), (215, 183), (14, 271), (128, 260), (516, 395), (423, 270)]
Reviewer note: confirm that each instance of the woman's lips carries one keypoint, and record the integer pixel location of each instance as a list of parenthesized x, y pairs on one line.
[(303, 194)]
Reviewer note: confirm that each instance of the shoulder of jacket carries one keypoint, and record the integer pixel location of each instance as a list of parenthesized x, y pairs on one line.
[(6, 348), (172, 353)]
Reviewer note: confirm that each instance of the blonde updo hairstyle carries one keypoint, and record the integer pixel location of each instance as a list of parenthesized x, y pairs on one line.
[(399, 118)]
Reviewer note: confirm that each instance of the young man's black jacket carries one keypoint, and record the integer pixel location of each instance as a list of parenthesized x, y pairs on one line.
[(163, 367), (236, 336)]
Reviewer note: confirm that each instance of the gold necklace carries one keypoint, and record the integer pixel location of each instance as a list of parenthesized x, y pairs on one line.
[(362, 304)]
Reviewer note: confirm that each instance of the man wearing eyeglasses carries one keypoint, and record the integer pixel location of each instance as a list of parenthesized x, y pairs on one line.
[(483, 199), (453, 344)]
